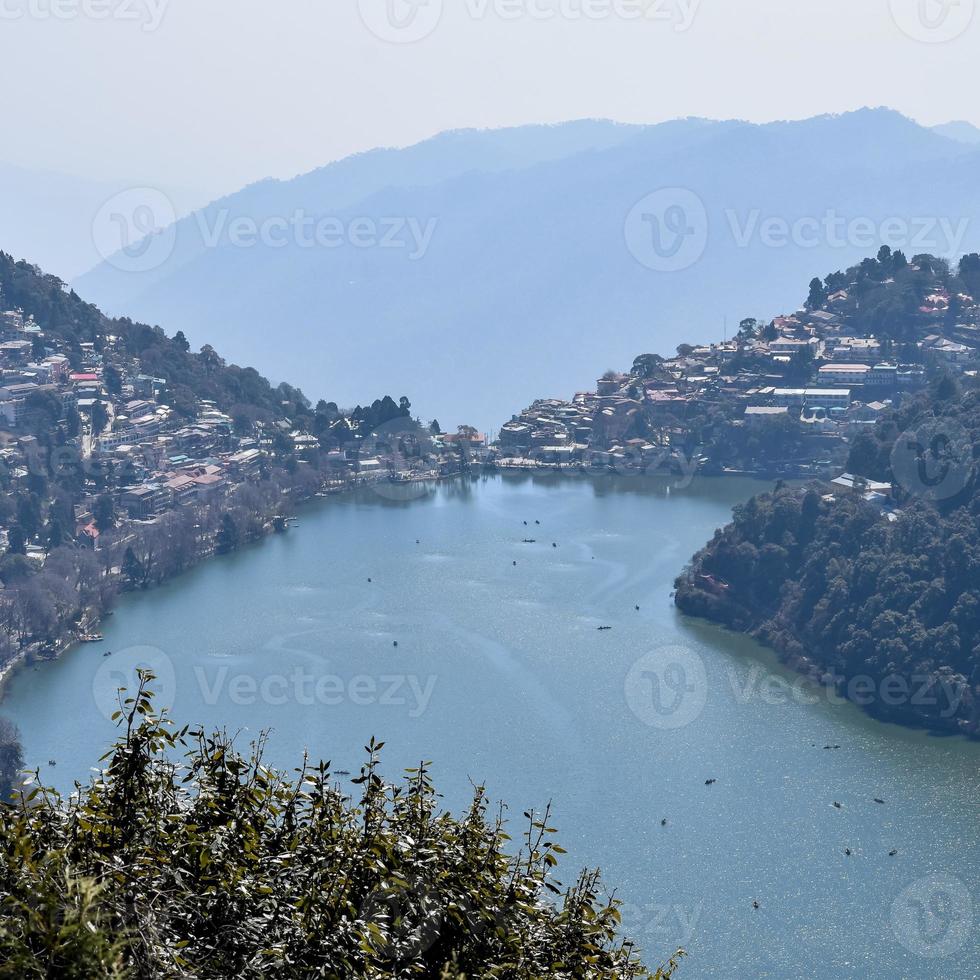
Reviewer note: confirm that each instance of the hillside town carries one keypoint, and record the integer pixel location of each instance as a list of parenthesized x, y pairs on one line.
[(784, 399), (114, 476), (125, 440), (125, 458)]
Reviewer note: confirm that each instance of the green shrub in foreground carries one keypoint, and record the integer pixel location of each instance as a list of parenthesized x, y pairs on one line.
[(220, 867)]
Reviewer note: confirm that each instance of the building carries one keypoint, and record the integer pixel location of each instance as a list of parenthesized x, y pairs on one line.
[(952, 353), (246, 464), (843, 374), (861, 485), (882, 376), (759, 415), (145, 386), (15, 352), (790, 345), (815, 397), (855, 349), (12, 411), (611, 384), (823, 318), (910, 376), (183, 489), (515, 436), (59, 366), (146, 500)]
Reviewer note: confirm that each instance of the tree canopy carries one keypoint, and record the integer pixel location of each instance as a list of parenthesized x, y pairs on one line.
[(218, 866)]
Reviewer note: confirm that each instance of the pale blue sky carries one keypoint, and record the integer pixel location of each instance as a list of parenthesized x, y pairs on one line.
[(221, 92)]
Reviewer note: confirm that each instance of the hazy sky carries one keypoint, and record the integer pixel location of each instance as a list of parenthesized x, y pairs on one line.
[(215, 93)]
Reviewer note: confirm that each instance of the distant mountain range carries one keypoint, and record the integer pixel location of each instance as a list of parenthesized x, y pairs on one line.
[(48, 217), (964, 132), (479, 269)]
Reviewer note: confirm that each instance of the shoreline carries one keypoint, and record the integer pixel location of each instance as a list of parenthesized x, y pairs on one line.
[(520, 465), (811, 671), (800, 666), (23, 659), (68, 641)]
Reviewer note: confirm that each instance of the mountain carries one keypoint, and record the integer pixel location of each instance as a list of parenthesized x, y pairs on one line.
[(49, 216), (962, 132), (540, 263)]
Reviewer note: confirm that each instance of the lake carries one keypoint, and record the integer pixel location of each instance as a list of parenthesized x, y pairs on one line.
[(502, 675)]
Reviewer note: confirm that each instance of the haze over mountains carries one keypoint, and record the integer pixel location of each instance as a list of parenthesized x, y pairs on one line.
[(479, 270), (964, 132), (47, 217)]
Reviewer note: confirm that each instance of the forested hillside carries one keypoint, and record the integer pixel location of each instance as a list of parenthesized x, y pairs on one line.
[(873, 586)]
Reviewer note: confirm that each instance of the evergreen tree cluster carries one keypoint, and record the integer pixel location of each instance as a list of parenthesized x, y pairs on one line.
[(842, 585), (221, 867)]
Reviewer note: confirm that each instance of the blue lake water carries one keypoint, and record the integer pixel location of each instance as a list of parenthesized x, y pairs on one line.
[(501, 675)]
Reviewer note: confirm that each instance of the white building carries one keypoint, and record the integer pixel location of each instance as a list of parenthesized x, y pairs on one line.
[(844, 374), (815, 397)]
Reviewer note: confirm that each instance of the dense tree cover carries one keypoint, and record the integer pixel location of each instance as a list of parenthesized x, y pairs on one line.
[(885, 295), (11, 758), (220, 867), (838, 590), (830, 580), (834, 584)]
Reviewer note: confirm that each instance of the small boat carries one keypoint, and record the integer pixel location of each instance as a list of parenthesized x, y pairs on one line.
[(602, 629), (108, 653), (710, 782), (52, 762), (91, 638)]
